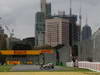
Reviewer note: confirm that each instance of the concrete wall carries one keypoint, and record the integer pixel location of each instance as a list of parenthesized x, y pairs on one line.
[(50, 58), (86, 50), (65, 54)]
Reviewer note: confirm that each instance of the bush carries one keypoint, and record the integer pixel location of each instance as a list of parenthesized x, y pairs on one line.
[(60, 64)]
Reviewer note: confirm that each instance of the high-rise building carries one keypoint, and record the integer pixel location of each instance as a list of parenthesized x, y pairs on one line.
[(40, 23), (46, 8), (40, 29), (3, 39), (43, 6), (74, 29), (86, 32), (57, 31)]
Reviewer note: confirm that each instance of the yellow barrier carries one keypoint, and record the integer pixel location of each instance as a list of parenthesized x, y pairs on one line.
[(13, 62), (29, 62), (24, 52), (7, 52), (33, 52)]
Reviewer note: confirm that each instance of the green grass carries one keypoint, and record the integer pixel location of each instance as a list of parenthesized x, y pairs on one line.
[(5, 68)]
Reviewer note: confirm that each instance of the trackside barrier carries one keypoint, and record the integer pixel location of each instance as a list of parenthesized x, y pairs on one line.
[(69, 64), (94, 66)]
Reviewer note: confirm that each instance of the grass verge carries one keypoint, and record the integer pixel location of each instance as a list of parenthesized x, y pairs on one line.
[(5, 68)]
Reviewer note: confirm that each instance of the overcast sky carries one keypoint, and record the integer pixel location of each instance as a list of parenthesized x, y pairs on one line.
[(20, 14)]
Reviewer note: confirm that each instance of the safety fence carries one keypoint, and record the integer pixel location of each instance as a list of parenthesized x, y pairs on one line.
[(95, 66)]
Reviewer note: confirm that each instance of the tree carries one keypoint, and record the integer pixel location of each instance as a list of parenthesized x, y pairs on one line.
[(57, 53)]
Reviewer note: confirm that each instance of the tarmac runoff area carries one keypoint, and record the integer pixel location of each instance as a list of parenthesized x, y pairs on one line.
[(19, 68), (47, 73)]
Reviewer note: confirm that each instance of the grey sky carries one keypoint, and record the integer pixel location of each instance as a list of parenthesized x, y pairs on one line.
[(20, 14)]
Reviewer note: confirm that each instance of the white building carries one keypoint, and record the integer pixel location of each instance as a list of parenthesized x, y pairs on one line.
[(96, 46), (57, 31)]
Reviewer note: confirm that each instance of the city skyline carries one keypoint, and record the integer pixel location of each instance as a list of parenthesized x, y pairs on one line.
[(20, 14)]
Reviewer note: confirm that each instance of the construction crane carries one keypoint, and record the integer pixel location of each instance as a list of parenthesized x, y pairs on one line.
[(11, 32), (9, 40)]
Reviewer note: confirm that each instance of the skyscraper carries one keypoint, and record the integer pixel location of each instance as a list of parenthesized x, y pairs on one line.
[(46, 8), (43, 6), (40, 23), (86, 32), (39, 29)]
